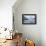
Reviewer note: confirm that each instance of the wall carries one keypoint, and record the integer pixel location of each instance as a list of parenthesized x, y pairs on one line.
[(43, 22), (6, 13), (32, 32)]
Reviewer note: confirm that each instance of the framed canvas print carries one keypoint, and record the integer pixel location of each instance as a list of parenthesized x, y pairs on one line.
[(28, 18)]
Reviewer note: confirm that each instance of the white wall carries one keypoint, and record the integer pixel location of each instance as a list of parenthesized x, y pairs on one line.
[(30, 31), (6, 13), (43, 22)]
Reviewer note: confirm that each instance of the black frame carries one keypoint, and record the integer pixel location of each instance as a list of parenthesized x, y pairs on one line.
[(29, 15)]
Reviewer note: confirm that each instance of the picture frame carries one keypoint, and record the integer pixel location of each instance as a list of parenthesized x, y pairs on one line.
[(29, 18)]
